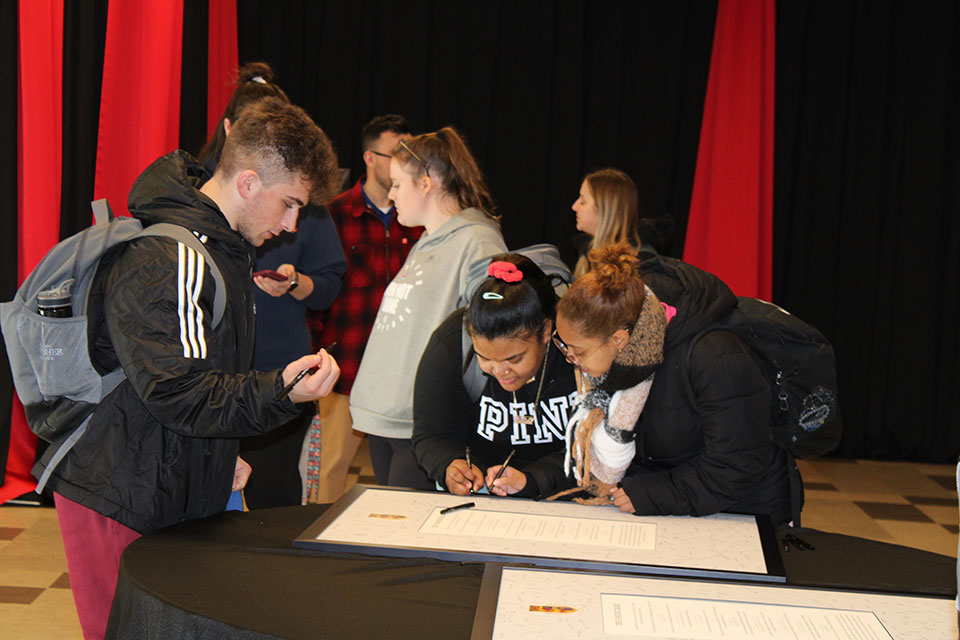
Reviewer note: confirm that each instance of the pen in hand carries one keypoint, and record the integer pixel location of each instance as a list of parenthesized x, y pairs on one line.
[(502, 469), (300, 376), (469, 466)]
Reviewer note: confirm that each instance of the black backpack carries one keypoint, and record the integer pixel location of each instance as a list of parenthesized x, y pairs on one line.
[(800, 365), (795, 358)]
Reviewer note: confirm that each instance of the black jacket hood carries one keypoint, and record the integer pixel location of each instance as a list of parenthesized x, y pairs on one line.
[(169, 191), (699, 297)]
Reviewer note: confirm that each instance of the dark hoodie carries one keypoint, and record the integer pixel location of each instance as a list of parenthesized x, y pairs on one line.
[(723, 460), (160, 449)]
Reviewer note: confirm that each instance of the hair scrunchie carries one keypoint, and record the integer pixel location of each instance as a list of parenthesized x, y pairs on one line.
[(506, 271)]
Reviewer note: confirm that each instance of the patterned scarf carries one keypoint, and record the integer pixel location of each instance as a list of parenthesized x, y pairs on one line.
[(600, 434)]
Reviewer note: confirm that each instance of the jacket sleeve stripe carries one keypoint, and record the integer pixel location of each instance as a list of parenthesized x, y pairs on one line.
[(189, 285), (198, 310), (181, 299), (189, 309)]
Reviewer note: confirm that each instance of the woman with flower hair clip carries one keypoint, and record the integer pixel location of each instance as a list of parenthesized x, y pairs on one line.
[(462, 438), (435, 183)]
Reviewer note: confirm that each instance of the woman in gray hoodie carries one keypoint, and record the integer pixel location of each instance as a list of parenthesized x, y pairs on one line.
[(435, 182)]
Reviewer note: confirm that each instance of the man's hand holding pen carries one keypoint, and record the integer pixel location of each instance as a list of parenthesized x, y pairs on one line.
[(310, 377)]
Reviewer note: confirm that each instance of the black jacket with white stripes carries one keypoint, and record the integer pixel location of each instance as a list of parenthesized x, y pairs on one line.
[(161, 448)]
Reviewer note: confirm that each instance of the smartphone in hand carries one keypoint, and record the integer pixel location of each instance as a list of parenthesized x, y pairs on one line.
[(270, 273)]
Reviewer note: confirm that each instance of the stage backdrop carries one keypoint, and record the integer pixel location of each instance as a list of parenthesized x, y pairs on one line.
[(865, 161)]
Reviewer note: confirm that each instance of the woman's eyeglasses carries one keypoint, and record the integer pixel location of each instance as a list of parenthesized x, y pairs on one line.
[(568, 352)]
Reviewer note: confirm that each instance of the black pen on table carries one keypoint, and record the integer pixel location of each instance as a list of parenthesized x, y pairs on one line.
[(469, 467), (465, 505), (300, 376), (502, 469), (798, 542)]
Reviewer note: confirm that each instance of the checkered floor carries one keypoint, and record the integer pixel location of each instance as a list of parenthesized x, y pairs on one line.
[(902, 503)]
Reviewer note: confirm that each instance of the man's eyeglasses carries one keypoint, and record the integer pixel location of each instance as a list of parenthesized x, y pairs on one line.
[(382, 155), (416, 157), (568, 352)]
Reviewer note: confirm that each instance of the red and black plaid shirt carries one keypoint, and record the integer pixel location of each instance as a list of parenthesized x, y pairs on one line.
[(374, 256)]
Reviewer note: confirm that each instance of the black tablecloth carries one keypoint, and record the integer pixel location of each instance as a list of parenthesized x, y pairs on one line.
[(236, 575)]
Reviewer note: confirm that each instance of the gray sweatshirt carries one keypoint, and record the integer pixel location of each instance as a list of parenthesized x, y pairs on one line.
[(430, 285)]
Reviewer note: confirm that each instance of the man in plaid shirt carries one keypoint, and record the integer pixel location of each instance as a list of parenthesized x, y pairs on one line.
[(375, 246)]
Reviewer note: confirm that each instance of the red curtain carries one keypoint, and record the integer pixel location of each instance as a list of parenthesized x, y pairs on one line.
[(222, 58), (730, 228), (140, 95), (39, 147)]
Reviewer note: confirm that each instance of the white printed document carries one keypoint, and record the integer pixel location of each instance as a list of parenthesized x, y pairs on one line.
[(704, 619), (404, 523), (483, 523), (540, 604)]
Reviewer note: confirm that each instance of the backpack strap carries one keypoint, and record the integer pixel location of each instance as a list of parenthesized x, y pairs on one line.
[(688, 354), (685, 372), (473, 378), (61, 453), (187, 237), (102, 213), (546, 256)]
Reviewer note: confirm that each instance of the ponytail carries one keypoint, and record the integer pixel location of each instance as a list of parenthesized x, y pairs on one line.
[(444, 155), (254, 83)]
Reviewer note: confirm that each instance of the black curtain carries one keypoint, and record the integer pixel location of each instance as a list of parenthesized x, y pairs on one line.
[(866, 210), (866, 198), (193, 77), (543, 91), (84, 34)]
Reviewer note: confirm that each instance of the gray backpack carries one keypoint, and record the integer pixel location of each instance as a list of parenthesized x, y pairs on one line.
[(45, 328)]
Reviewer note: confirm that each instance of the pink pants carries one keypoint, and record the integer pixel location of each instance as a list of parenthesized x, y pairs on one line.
[(93, 544)]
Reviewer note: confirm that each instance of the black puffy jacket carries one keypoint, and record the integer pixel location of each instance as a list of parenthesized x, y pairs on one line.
[(161, 448), (721, 458)]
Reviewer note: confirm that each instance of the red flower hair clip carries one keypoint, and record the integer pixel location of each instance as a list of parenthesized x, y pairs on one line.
[(506, 271)]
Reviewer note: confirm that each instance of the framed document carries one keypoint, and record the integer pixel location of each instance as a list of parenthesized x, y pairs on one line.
[(517, 602), (405, 523)]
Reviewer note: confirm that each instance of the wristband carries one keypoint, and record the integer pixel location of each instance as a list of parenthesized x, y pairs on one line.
[(620, 436)]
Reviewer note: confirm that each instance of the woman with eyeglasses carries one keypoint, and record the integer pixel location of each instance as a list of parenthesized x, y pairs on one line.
[(465, 428), (637, 440), (435, 182), (608, 212)]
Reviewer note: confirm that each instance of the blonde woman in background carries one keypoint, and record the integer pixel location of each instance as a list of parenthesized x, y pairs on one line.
[(607, 210)]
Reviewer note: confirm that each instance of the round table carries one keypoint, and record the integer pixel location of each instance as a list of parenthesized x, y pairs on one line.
[(236, 575)]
